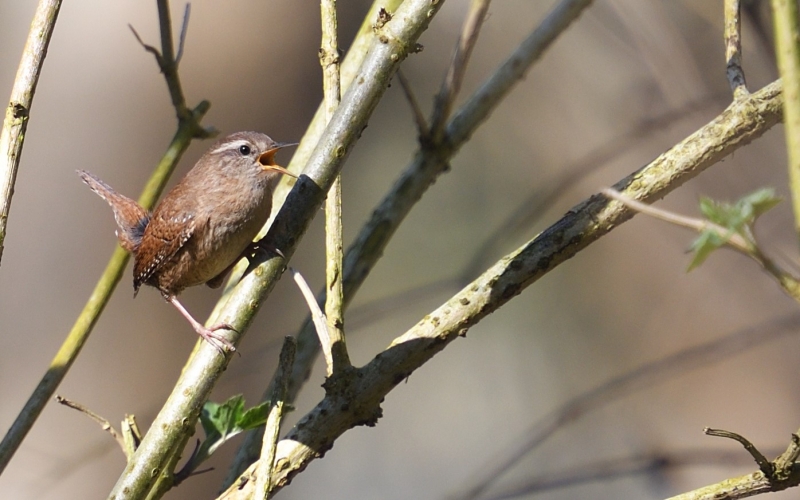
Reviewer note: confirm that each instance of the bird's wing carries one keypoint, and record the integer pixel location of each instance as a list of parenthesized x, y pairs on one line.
[(162, 240)]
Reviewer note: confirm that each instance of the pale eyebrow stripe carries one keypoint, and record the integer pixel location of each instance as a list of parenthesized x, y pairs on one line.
[(231, 146)]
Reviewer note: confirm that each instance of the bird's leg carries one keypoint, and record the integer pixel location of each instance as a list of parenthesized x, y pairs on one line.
[(208, 334)]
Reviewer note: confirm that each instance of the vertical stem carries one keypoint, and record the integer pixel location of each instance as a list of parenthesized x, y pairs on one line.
[(733, 48), (264, 481), (19, 105), (329, 58), (785, 16)]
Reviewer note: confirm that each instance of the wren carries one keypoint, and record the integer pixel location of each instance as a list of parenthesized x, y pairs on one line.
[(203, 225)]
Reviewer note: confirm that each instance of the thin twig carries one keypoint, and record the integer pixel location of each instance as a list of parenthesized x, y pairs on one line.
[(733, 48), (747, 246), (735, 240), (419, 118), (104, 424), (168, 63), (184, 30), (763, 464), (451, 85), (320, 322), (15, 123), (146, 47), (784, 475), (334, 303), (131, 435), (266, 464)]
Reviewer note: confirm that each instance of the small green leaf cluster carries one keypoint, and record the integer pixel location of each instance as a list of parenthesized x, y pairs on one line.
[(221, 422), (736, 218)]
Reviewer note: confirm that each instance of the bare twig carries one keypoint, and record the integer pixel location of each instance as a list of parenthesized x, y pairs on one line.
[(334, 303), (184, 30), (320, 322), (733, 48), (104, 424), (451, 85), (18, 111), (266, 464), (747, 246), (766, 467), (735, 240), (774, 476), (131, 435), (419, 118), (168, 63)]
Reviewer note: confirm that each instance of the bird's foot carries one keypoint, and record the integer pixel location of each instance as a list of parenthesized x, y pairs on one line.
[(218, 341)]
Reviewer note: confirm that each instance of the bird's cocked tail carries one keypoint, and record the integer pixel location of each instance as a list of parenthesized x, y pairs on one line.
[(131, 218)]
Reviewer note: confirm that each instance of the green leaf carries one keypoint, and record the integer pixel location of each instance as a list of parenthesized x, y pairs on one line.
[(707, 242), (220, 419), (733, 217), (254, 417), (759, 202), (743, 212)]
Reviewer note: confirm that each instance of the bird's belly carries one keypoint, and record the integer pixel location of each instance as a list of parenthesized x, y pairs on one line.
[(206, 259)]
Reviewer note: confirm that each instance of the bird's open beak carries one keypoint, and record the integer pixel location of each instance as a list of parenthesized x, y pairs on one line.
[(267, 159)]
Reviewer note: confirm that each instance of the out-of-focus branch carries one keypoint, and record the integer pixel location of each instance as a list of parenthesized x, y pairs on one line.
[(451, 85), (637, 380), (18, 111)]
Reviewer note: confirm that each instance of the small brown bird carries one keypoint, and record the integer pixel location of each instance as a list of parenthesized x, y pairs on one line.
[(203, 225)]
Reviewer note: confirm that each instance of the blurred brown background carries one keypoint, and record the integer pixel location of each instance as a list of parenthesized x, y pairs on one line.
[(101, 105)]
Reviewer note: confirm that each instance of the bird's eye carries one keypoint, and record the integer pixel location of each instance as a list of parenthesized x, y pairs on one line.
[(244, 150)]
